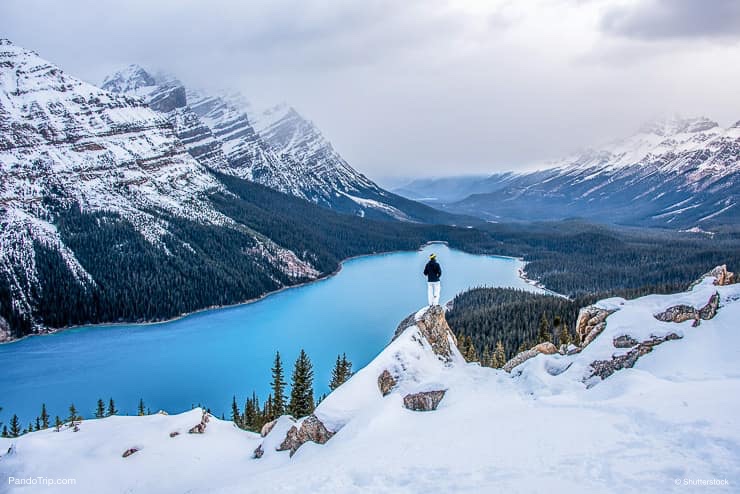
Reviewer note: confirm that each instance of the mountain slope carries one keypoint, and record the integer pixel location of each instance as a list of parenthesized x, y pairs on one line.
[(678, 173), (664, 425), (106, 216), (276, 147), (77, 159)]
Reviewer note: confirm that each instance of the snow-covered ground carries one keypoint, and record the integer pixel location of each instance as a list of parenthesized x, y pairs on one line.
[(666, 425)]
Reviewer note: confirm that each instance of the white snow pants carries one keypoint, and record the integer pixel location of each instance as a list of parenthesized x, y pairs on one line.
[(433, 289)]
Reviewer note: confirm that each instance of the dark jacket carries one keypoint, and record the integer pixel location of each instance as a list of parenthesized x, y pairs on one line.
[(432, 271)]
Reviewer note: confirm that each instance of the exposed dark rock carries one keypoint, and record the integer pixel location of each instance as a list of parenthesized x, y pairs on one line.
[(175, 433), (129, 452), (546, 348), (425, 401), (386, 382), (710, 310), (433, 326), (311, 429), (625, 341), (605, 368), (259, 452), (681, 313), (200, 428)]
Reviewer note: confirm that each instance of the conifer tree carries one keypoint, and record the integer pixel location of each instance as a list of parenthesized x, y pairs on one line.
[(523, 347), (341, 372), (301, 392), (235, 415), (471, 354), (37, 425), (499, 355), (141, 409), (15, 426), (111, 408), (252, 412), (57, 423), (5, 431), (100, 410), (44, 417), (73, 415), (486, 359), (544, 334), (278, 387), (564, 337), (268, 413)]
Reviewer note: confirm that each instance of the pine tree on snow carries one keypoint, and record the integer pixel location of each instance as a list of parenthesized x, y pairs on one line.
[(301, 393), (278, 387)]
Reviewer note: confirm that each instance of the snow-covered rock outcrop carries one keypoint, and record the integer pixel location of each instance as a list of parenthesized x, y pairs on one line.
[(663, 424), (417, 363)]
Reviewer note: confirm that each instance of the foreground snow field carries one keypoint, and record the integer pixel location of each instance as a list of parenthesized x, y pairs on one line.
[(670, 424)]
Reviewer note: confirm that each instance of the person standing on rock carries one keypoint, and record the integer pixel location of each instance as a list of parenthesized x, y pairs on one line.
[(433, 272)]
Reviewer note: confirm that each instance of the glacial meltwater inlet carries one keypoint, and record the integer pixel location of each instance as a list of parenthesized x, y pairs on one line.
[(208, 357)]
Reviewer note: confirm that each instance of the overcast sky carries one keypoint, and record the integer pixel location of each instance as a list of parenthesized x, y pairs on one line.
[(408, 88)]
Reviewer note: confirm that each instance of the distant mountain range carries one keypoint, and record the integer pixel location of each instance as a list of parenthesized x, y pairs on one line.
[(675, 173), (143, 201)]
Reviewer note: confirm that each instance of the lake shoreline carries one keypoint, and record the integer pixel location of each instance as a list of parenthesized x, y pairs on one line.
[(53, 331)]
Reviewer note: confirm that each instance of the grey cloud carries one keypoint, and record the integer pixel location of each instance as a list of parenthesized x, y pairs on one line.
[(406, 87), (661, 19)]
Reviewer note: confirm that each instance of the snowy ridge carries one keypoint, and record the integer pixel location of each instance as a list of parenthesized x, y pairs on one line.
[(671, 417)]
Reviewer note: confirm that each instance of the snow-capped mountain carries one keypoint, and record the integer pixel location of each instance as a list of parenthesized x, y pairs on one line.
[(676, 173), (67, 146), (647, 403), (275, 147)]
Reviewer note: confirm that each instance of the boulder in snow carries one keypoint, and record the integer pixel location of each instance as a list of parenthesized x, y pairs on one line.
[(424, 401), (129, 452), (547, 348), (200, 428), (624, 341), (605, 368), (309, 429), (386, 382), (681, 313)]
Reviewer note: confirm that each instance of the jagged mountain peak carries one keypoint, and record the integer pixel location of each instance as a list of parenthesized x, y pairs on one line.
[(669, 126), (128, 80)]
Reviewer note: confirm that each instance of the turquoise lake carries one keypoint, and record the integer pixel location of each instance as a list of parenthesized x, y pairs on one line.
[(208, 357)]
